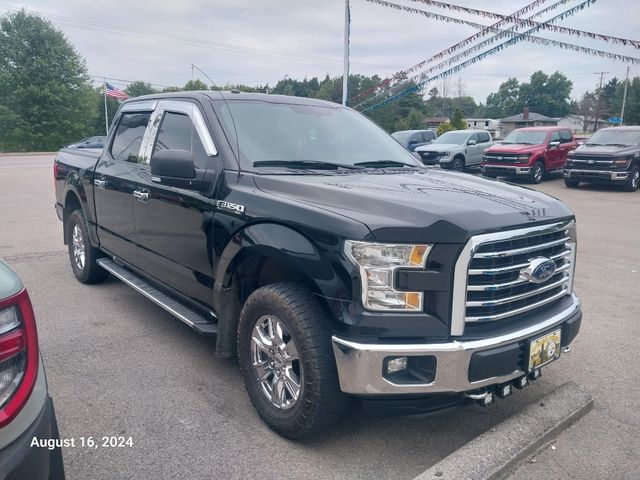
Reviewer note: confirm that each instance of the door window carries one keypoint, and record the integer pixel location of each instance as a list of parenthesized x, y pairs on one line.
[(484, 137), (565, 136), (128, 138), (177, 132), (428, 136), (555, 137)]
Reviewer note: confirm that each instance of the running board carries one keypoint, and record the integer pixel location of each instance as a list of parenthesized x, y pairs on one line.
[(183, 313)]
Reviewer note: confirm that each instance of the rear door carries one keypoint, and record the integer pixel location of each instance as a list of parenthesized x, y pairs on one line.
[(114, 181), (174, 226)]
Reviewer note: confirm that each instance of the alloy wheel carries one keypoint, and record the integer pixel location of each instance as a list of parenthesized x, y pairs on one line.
[(78, 246), (276, 363)]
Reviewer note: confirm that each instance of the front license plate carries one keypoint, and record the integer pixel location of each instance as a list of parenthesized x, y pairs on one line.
[(545, 349)]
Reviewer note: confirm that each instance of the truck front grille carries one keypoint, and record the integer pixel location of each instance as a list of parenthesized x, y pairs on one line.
[(502, 157), (496, 287)]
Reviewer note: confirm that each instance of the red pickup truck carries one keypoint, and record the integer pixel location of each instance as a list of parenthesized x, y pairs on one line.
[(529, 153)]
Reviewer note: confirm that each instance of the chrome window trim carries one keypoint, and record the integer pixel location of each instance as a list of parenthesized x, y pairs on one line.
[(459, 297), (177, 106)]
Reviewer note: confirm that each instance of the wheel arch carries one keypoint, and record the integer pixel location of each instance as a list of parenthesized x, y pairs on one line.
[(263, 254)]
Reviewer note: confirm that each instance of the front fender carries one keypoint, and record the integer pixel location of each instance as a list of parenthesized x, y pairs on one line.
[(291, 250)]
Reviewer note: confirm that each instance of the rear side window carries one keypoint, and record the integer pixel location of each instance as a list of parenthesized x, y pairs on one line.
[(128, 138), (565, 136), (177, 132)]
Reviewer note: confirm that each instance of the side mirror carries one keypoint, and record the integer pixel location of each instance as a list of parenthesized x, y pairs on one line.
[(472, 142), (172, 163), (554, 144)]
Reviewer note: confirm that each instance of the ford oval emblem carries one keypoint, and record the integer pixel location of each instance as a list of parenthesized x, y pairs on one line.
[(540, 270)]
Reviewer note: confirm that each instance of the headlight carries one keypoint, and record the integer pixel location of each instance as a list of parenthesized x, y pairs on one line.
[(445, 154), (523, 158), (621, 163), (377, 263)]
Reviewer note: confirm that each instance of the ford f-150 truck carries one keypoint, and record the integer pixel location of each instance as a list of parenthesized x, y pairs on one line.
[(529, 153), (610, 156), (321, 252)]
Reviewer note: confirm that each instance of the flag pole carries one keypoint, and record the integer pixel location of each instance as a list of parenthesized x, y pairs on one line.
[(345, 74), (106, 116)]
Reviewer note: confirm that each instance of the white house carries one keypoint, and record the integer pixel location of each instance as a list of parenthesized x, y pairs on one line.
[(576, 123)]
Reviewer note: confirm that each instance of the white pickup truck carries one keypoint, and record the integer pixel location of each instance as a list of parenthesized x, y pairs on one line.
[(456, 149)]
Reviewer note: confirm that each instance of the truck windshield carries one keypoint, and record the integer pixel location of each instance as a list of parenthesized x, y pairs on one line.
[(615, 137), (457, 138), (274, 134), (524, 137)]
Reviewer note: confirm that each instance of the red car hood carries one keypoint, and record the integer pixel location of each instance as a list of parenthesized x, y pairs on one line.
[(513, 148)]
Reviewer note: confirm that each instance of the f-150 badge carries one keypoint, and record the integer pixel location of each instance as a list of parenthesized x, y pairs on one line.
[(230, 207)]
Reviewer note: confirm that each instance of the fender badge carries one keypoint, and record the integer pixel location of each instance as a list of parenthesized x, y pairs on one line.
[(230, 207)]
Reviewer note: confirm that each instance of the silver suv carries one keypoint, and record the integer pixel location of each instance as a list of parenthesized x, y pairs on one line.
[(456, 149)]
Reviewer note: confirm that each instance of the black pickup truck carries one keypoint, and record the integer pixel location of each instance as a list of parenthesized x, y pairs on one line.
[(610, 156), (322, 253)]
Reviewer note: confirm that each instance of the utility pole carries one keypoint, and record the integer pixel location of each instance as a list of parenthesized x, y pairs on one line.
[(345, 74), (624, 97), (595, 122)]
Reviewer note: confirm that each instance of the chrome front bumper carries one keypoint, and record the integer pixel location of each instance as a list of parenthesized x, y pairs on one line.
[(360, 365)]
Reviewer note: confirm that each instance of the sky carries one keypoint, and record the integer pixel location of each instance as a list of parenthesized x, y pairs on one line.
[(256, 42)]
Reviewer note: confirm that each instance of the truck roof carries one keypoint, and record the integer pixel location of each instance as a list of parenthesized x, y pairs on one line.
[(237, 95), (544, 129)]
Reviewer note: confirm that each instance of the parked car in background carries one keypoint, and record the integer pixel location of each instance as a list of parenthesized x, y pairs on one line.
[(457, 149), (26, 410), (529, 153), (412, 139), (611, 155), (91, 142)]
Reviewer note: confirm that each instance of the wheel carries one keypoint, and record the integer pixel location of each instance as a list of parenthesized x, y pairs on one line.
[(634, 180), (287, 362), (81, 254), (571, 182), (458, 164), (537, 172)]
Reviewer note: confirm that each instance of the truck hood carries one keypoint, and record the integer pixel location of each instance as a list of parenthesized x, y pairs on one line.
[(438, 147), (513, 148), (606, 150), (421, 205)]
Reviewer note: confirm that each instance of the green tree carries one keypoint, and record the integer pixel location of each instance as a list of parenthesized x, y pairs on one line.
[(457, 122), (546, 94), (46, 98), (194, 85), (139, 88), (444, 127), (506, 101)]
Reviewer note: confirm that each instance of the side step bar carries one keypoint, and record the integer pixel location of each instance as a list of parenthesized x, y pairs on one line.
[(183, 313)]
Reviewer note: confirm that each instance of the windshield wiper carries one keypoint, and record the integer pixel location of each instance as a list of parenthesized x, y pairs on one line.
[(616, 145), (593, 144), (303, 164), (383, 164)]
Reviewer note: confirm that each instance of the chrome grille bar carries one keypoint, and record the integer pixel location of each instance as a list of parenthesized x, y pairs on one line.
[(500, 286), (510, 268)]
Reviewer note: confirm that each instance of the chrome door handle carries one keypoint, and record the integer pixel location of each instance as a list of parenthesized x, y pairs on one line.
[(101, 184), (141, 196)]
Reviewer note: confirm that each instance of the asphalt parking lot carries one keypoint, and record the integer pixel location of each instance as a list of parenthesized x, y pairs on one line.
[(119, 365)]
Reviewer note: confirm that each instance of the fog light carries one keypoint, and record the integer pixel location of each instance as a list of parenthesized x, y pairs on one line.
[(397, 364), (505, 391), (521, 382), (535, 374)]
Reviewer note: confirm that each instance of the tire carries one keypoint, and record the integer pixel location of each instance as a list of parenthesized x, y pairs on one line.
[(571, 182), (634, 180), (82, 255), (537, 173), (458, 164), (305, 355)]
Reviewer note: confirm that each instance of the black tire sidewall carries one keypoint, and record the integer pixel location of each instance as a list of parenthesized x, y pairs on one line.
[(314, 351), (632, 173), (458, 164), (537, 165), (92, 272)]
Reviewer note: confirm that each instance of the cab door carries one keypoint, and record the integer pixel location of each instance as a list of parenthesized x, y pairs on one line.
[(174, 225), (554, 153), (473, 151), (114, 181)]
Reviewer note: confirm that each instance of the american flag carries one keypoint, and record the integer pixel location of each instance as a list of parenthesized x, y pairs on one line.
[(115, 93)]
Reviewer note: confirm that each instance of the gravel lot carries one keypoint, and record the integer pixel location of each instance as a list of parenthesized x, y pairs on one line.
[(119, 365)]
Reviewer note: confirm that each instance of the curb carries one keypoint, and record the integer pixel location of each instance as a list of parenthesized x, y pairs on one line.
[(495, 453)]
